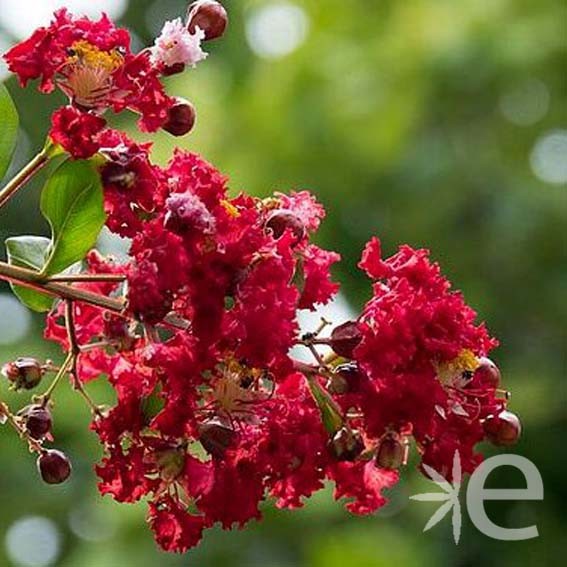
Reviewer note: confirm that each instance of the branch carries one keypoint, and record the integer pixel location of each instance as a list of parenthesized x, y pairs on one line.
[(27, 172), (87, 278), (33, 280)]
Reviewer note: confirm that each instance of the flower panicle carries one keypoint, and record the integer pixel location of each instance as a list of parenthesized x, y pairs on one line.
[(209, 400)]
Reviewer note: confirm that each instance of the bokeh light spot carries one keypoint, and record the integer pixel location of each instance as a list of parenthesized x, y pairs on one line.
[(549, 157), (525, 104), (33, 541), (276, 30)]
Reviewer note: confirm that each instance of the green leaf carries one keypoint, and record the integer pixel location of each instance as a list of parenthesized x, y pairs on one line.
[(72, 202), (8, 129), (330, 412), (29, 252)]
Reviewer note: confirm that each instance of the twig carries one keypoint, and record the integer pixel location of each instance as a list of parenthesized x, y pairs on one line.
[(75, 352), (33, 444), (46, 396), (33, 280), (87, 278), (27, 172)]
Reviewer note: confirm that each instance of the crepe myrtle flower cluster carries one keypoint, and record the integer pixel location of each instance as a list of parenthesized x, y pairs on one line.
[(212, 413), (92, 63)]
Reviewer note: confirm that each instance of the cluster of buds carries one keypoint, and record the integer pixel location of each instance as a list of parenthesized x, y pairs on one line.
[(34, 422)]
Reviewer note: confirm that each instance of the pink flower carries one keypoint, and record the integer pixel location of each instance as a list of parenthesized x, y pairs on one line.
[(176, 45)]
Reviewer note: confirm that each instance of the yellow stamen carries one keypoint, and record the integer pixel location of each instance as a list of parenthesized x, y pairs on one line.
[(91, 56), (230, 208), (466, 361), (87, 74), (228, 391)]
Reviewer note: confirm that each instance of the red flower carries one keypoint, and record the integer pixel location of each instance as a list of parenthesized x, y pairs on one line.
[(304, 205), (147, 300), (420, 346), (131, 183), (226, 380), (122, 474), (212, 414), (363, 483), (76, 131), (175, 528), (318, 288), (91, 62)]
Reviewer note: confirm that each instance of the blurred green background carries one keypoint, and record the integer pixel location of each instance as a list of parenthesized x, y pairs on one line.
[(440, 123)]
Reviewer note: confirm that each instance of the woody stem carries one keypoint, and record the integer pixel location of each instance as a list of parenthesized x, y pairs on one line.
[(33, 280), (27, 172)]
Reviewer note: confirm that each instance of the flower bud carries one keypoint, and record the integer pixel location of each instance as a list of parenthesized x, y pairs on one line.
[(37, 421), (54, 467), (503, 429), (347, 444), (345, 338), (487, 375), (346, 378), (24, 373), (216, 437), (392, 452), (180, 117), (282, 219), (209, 16)]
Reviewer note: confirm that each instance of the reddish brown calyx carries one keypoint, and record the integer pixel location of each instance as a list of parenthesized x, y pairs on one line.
[(347, 444), (216, 437), (392, 452), (281, 220)]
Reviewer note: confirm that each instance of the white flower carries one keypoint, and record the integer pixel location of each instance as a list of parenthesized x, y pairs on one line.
[(176, 44)]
